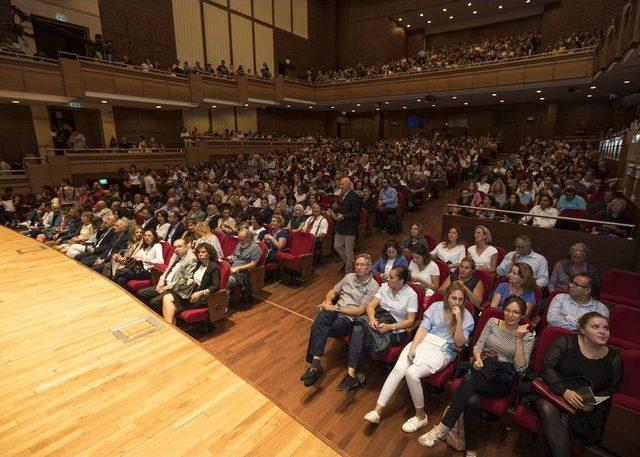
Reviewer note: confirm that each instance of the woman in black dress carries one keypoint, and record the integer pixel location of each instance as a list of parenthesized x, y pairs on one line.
[(573, 361)]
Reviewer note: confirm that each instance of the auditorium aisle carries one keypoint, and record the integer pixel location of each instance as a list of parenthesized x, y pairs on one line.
[(266, 345)]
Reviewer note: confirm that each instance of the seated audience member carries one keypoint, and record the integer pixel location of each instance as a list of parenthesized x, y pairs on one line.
[(80, 246), (257, 231), (483, 254), (499, 193), (513, 204), (521, 284), (149, 222), (180, 266), (387, 204), (316, 224), (575, 264), (204, 235), (604, 205), (142, 261), (226, 223), (245, 256), (212, 216), (445, 326), (465, 199), (415, 237), (503, 349), (389, 259), (297, 218), (573, 361), (482, 185), (119, 260), (195, 212), (368, 200), (392, 310), (277, 239), (543, 208), (615, 214), (83, 235), (450, 251), (485, 206), (524, 253), (353, 293), (424, 271), (163, 226), (524, 193), (464, 275), (193, 289), (176, 228), (102, 253), (265, 212), (566, 309), (570, 200)]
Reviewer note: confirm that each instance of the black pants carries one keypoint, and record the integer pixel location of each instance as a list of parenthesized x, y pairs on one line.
[(358, 346), (466, 399), (554, 435), (123, 275), (152, 298), (327, 323)]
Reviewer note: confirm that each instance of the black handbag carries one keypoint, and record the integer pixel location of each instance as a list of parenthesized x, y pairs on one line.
[(183, 288)]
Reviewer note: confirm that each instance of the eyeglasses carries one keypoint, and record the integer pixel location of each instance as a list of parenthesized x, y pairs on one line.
[(512, 311), (573, 284)]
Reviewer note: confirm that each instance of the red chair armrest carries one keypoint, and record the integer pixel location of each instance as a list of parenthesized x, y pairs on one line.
[(542, 389)]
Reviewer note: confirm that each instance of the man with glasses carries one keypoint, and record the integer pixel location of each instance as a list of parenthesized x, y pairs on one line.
[(245, 256), (566, 309), (524, 253), (353, 294)]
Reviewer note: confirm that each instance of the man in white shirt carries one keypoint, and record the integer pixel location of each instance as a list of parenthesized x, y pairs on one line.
[(149, 182), (524, 253), (566, 309), (316, 224), (544, 208)]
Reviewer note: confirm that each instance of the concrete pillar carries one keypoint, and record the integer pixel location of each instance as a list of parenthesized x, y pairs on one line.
[(107, 123)]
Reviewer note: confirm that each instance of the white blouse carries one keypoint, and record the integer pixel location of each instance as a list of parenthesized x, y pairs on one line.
[(454, 256), (150, 256), (484, 259), (162, 230), (199, 274)]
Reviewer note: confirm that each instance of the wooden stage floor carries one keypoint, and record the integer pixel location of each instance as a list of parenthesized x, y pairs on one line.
[(69, 387)]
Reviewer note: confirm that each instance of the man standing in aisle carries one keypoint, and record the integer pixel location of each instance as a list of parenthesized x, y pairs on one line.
[(346, 223)]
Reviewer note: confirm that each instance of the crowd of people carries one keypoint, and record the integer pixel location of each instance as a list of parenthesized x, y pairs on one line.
[(547, 179)]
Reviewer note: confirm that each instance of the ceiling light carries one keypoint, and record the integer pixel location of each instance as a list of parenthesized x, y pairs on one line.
[(433, 106), (357, 104), (454, 97), (538, 91), (466, 103), (627, 81), (593, 87), (246, 104), (103, 101), (475, 12), (404, 107), (418, 99), (421, 14), (494, 95), (499, 7), (158, 106), (408, 26), (214, 106), (450, 17), (15, 101), (501, 101), (399, 19), (429, 22), (332, 107), (469, 4), (377, 109), (288, 106), (528, 1), (444, 10), (589, 95), (541, 98), (311, 107), (386, 103), (353, 111)]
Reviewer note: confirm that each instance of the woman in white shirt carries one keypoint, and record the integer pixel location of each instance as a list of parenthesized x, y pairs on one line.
[(450, 251), (163, 226), (423, 271), (483, 254), (138, 265), (446, 325), (134, 178)]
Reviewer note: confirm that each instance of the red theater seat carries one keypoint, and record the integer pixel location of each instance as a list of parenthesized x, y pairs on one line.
[(624, 322), (138, 284), (299, 258), (621, 287), (217, 300)]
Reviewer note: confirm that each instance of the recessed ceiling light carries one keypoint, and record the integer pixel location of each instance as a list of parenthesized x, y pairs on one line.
[(421, 14), (377, 109), (332, 107), (475, 12), (433, 106), (353, 111), (404, 107), (418, 99), (454, 97), (288, 106), (466, 103), (399, 19), (214, 106), (538, 91), (593, 87), (408, 26), (386, 103), (499, 7), (589, 95), (528, 1), (429, 22), (627, 81), (15, 101), (158, 106), (501, 101), (541, 98), (450, 17), (357, 104), (246, 104), (494, 95), (444, 10), (103, 101), (469, 4), (311, 107)]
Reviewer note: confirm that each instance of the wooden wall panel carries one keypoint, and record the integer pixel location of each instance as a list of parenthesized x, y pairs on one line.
[(241, 6), (282, 14), (196, 117), (263, 10), (539, 72), (511, 76), (223, 119), (187, 24), (162, 125), (264, 46), (242, 41), (300, 24), (216, 30), (247, 119), (17, 135)]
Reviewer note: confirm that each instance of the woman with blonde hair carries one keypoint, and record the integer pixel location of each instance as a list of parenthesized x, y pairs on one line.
[(483, 254), (203, 234), (445, 326), (521, 284)]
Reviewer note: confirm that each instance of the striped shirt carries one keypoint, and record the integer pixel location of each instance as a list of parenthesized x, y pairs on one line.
[(493, 338)]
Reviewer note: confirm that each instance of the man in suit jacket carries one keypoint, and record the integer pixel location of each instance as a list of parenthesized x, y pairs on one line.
[(103, 239), (103, 253), (346, 223), (181, 265), (149, 222), (176, 228)]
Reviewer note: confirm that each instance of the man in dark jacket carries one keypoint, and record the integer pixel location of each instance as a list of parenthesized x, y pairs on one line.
[(117, 243), (176, 228), (346, 223)]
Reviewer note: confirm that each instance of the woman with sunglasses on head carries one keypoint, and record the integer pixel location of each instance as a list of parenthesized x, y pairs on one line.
[(503, 349), (571, 362)]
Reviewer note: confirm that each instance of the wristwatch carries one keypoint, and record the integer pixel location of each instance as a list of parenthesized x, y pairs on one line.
[(338, 306)]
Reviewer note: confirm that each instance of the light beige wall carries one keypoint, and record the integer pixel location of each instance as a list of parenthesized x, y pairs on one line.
[(42, 127), (242, 41), (187, 24), (282, 14), (196, 117), (300, 18), (264, 46), (263, 10), (108, 124), (84, 13), (247, 119), (216, 24), (223, 119), (242, 6)]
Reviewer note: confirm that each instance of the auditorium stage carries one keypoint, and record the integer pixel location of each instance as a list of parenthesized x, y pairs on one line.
[(70, 387)]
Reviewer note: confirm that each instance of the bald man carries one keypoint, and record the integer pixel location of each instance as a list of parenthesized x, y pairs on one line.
[(346, 222)]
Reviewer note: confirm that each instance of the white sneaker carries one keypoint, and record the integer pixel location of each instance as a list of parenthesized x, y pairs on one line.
[(414, 424), (373, 417), (432, 437)]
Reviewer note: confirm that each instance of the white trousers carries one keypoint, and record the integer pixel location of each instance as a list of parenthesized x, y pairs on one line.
[(437, 360)]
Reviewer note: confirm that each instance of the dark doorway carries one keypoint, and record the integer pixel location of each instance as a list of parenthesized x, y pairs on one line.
[(53, 36), (85, 121), (286, 69)]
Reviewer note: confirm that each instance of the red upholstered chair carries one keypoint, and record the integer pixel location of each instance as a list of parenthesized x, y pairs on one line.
[(216, 305), (525, 416), (501, 253), (496, 406), (156, 272), (486, 283), (579, 214), (275, 267), (221, 236), (543, 321), (362, 223), (299, 258), (624, 322), (326, 244), (620, 287), (431, 242), (228, 245), (628, 395), (257, 273), (443, 268)]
